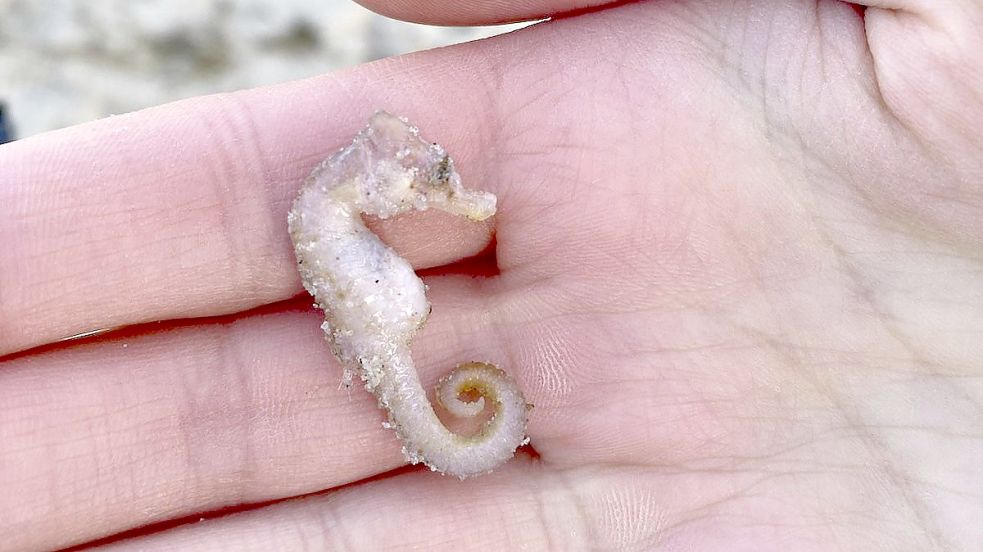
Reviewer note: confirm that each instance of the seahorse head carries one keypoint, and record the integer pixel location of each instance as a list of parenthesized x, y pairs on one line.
[(408, 173)]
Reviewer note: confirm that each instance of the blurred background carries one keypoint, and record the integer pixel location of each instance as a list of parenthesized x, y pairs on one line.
[(64, 62)]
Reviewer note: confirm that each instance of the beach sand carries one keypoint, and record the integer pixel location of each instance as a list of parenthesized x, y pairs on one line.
[(64, 62)]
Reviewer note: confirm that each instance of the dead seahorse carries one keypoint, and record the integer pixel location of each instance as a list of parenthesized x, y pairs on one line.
[(373, 302)]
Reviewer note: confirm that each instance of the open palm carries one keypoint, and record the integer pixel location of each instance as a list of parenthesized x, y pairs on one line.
[(740, 276)]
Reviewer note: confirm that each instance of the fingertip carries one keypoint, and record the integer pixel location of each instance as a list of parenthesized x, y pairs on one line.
[(479, 12)]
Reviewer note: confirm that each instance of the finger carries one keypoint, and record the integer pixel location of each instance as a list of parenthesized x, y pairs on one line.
[(99, 438), (526, 506), (180, 211), (942, 115), (481, 12), (924, 6)]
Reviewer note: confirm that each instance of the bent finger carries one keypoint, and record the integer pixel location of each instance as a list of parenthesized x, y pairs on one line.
[(180, 211), (103, 437), (526, 506), (480, 12)]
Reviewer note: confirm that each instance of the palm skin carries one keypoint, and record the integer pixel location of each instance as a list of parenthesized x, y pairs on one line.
[(739, 246)]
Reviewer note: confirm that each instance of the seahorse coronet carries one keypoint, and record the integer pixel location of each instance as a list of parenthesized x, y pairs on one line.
[(374, 303)]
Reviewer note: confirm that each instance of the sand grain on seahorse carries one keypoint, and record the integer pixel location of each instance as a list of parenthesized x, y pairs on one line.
[(373, 301)]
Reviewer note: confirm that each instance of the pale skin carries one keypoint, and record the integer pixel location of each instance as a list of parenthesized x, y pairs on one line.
[(740, 247)]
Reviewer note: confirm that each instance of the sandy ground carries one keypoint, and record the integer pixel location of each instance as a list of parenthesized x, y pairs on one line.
[(63, 62)]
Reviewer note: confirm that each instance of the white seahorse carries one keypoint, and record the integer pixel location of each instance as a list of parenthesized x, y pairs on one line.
[(373, 302)]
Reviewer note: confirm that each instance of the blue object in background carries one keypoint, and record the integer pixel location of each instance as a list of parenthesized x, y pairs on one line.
[(6, 133)]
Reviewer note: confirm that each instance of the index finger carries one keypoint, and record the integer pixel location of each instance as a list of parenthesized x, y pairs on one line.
[(180, 211)]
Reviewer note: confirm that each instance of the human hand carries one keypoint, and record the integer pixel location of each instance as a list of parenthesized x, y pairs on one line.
[(739, 247)]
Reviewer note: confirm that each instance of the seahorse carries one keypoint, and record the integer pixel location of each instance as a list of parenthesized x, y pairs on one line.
[(374, 302)]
